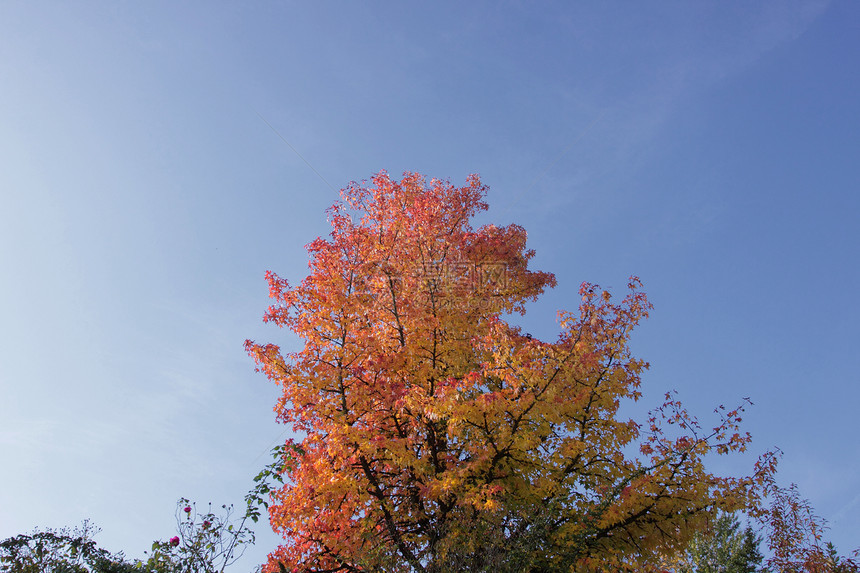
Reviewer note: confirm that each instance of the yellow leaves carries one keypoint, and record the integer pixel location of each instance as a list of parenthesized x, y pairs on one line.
[(571, 448), (426, 415), (448, 483)]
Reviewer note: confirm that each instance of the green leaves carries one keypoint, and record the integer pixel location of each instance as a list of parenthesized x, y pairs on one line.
[(723, 547), (59, 551), (283, 456), (206, 543)]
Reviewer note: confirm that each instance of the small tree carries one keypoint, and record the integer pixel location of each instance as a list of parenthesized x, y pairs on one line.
[(439, 437), (724, 548), (206, 543), (795, 534)]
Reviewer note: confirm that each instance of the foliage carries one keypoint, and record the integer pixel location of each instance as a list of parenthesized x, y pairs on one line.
[(795, 534), (281, 454), (59, 551), (439, 437), (724, 548), (206, 543)]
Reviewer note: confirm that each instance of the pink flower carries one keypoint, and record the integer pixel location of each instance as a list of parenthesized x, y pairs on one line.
[(206, 524), (187, 509), (174, 541)]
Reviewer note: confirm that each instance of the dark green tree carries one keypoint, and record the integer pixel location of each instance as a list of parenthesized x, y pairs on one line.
[(724, 548), (207, 542), (60, 551)]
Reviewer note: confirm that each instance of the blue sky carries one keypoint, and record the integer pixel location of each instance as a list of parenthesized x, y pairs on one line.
[(711, 148)]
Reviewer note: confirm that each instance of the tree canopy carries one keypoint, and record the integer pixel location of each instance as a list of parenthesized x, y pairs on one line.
[(724, 548), (205, 543), (435, 435)]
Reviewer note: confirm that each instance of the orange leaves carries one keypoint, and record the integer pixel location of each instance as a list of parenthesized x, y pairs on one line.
[(427, 417)]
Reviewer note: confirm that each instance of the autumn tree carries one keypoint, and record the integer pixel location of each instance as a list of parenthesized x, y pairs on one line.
[(437, 436)]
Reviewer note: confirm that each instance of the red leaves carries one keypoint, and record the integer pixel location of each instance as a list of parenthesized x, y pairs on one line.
[(427, 418), (794, 533)]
